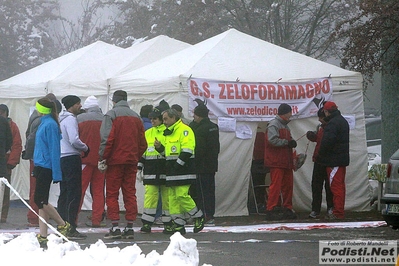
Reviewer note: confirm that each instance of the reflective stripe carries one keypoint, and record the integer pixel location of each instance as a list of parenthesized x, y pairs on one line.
[(180, 177), (187, 150), (181, 162), (153, 157), (176, 157), (152, 177)]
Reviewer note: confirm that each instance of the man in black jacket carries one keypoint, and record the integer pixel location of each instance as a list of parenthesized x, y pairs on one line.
[(334, 155), (206, 160)]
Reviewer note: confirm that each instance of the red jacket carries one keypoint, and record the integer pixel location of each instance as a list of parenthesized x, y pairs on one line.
[(122, 136), (14, 156), (277, 152), (89, 132)]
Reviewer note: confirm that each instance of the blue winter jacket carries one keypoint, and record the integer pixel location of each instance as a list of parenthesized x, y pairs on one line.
[(47, 151)]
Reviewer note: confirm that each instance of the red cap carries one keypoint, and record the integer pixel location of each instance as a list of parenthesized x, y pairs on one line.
[(330, 106)]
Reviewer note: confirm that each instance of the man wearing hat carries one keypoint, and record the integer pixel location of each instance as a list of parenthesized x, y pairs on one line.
[(179, 110), (154, 178), (122, 145), (334, 155), (71, 164), (279, 159), (207, 148), (89, 124), (12, 157)]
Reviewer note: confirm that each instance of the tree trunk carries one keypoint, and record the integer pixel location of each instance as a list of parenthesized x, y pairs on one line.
[(389, 104)]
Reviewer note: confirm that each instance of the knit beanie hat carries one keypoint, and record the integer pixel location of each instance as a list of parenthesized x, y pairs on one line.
[(70, 100), (177, 107), (119, 95), (201, 110), (157, 111), (330, 106), (90, 102), (284, 109)]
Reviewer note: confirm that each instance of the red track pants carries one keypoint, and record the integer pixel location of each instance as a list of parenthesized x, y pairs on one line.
[(336, 176), (281, 184)]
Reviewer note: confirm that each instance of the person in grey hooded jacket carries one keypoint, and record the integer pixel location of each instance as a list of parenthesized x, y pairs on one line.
[(71, 164)]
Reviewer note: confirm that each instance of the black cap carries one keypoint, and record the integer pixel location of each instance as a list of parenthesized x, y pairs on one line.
[(157, 111), (70, 100), (119, 95), (177, 107), (284, 109), (201, 110)]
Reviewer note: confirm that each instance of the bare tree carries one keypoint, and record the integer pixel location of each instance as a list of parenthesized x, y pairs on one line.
[(373, 46), (25, 41)]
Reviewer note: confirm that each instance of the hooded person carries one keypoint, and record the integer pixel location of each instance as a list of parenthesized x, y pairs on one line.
[(89, 124), (278, 158)]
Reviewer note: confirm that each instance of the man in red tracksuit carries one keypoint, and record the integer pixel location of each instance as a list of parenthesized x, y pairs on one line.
[(89, 124), (122, 145), (279, 159), (334, 154)]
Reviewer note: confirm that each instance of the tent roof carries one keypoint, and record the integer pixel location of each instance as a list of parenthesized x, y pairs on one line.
[(33, 82), (94, 75), (231, 56)]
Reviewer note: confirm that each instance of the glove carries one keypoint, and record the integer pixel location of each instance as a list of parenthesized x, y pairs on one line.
[(86, 153), (311, 135), (102, 166), (139, 175), (292, 143)]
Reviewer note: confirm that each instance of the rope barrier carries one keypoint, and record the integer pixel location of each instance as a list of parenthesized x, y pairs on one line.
[(5, 181)]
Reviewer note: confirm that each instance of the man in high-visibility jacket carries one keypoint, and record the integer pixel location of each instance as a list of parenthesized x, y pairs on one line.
[(180, 171), (153, 166)]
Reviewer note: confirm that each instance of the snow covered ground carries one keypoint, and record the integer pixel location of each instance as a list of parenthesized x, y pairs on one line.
[(25, 250)]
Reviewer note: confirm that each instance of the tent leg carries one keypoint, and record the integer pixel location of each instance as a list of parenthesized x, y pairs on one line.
[(253, 194)]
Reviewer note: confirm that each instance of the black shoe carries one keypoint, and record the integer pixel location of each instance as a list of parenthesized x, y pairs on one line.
[(113, 234), (274, 215), (178, 228), (75, 235), (168, 229), (289, 214), (146, 228), (128, 233), (199, 224)]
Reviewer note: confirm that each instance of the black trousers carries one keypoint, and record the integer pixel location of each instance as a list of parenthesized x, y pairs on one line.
[(320, 178), (204, 194), (70, 189)]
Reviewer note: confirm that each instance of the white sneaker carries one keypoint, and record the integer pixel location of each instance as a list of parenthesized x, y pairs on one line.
[(313, 215)]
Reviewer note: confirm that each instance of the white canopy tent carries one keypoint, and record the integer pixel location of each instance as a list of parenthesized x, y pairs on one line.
[(91, 77), (233, 56), (83, 72), (20, 93)]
